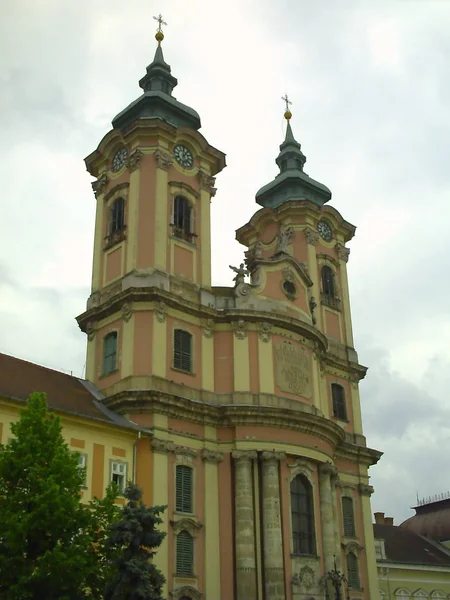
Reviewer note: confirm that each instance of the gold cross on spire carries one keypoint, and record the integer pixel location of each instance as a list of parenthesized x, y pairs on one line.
[(159, 32), (287, 112)]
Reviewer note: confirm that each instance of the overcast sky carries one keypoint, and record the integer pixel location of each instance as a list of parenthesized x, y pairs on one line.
[(370, 88)]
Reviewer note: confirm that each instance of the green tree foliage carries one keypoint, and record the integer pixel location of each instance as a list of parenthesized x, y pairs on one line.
[(51, 545), (134, 538)]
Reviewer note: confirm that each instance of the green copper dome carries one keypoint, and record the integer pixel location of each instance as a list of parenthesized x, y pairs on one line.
[(292, 183), (157, 101)]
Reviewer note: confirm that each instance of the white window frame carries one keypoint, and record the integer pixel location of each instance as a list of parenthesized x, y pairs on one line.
[(121, 466)]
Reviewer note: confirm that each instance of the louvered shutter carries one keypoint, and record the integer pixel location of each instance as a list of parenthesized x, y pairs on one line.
[(109, 353), (348, 517), (183, 489), (185, 553), (182, 350), (352, 571)]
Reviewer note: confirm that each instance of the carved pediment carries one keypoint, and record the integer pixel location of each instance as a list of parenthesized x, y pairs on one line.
[(186, 524), (278, 259), (187, 591)]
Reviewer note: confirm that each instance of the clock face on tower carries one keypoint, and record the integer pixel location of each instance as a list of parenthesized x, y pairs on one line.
[(119, 159), (183, 156), (325, 230)]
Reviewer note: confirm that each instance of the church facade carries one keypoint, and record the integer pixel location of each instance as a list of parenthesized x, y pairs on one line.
[(242, 401)]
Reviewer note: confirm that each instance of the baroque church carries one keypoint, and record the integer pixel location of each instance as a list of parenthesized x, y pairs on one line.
[(236, 407)]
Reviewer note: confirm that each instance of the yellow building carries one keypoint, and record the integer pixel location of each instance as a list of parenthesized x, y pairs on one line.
[(237, 407), (410, 566)]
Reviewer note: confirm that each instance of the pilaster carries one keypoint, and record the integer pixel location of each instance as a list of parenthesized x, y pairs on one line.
[(132, 218), (241, 357), (365, 492), (326, 472), (160, 340), (161, 227), (246, 588), (273, 539), (211, 459), (160, 498), (343, 254)]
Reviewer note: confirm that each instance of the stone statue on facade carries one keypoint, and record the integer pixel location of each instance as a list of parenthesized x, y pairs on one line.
[(241, 273), (285, 237)]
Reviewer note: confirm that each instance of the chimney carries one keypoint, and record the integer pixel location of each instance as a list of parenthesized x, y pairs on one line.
[(389, 521), (379, 518)]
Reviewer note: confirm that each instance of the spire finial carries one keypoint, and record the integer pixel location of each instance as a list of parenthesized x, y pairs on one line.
[(287, 112), (159, 32)]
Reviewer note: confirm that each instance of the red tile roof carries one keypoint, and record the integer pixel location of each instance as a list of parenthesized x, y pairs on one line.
[(403, 546), (19, 379)]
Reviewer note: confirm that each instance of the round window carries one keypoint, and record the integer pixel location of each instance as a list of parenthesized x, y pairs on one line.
[(289, 288)]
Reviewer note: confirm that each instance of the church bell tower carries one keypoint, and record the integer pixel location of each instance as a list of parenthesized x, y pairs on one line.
[(250, 390)]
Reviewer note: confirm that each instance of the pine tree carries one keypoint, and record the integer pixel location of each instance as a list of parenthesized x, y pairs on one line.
[(50, 543), (135, 537)]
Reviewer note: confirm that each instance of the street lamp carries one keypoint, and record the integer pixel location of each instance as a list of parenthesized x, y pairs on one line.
[(337, 579)]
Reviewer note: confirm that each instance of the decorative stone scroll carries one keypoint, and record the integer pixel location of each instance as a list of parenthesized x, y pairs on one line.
[(342, 252), (166, 446), (328, 468), (161, 312), (293, 369), (187, 591), (305, 578), (163, 159), (365, 490), (187, 524), (207, 182), (127, 311), (265, 331), (212, 456), (207, 328), (271, 455), (134, 160), (240, 329), (253, 254), (90, 330), (244, 455), (302, 467), (99, 185), (312, 237), (352, 546)]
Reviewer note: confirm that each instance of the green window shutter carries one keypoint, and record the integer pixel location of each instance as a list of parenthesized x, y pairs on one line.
[(109, 353), (348, 517), (185, 553), (182, 358), (352, 571), (183, 489)]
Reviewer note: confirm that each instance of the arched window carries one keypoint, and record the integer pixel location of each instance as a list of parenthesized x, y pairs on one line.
[(352, 571), (328, 286), (185, 553), (182, 218), (183, 490), (338, 399), (117, 216), (110, 353), (182, 351), (348, 516), (302, 513)]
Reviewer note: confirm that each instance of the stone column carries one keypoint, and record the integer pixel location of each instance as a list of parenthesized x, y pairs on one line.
[(245, 526), (336, 517), (326, 471), (273, 540)]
